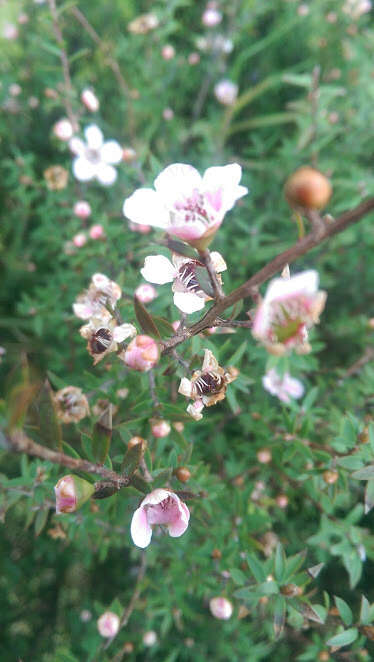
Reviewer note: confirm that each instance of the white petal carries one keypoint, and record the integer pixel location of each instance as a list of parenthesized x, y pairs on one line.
[(145, 207), (141, 531), (176, 182), (124, 331), (100, 281), (293, 386), (106, 174), (218, 262), (210, 362), (185, 387), (94, 136), (304, 283), (158, 269), (77, 146), (188, 302), (111, 152), (83, 169)]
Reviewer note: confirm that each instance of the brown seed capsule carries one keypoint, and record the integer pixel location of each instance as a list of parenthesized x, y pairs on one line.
[(363, 437), (308, 188), (183, 474), (216, 554), (330, 477)]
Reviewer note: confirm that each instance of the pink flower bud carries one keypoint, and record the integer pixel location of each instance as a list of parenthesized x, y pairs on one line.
[(168, 114), (137, 227), (193, 59), (79, 239), (211, 17), (82, 209), (129, 154), (108, 624), (160, 428), (23, 19), (71, 493), (264, 456), (97, 232), (90, 100), (168, 52), (221, 608), (226, 92), (142, 353), (159, 507), (149, 638), (145, 293), (63, 130)]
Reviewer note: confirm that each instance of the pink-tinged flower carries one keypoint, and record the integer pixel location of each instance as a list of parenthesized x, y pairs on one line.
[(188, 294), (138, 227), (10, 31), (226, 92), (193, 58), (108, 624), (103, 336), (101, 292), (95, 158), (290, 307), (90, 100), (160, 428), (284, 387), (168, 114), (145, 293), (82, 209), (71, 493), (185, 204), (159, 507), (168, 52), (80, 239), (63, 129), (211, 17), (149, 638), (142, 353), (97, 232), (221, 608)]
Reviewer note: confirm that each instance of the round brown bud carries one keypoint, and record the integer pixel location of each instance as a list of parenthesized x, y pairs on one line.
[(134, 441), (183, 474), (282, 501), (363, 437), (128, 647), (238, 481), (323, 656), (308, 188), (216, 554), (330, 477)]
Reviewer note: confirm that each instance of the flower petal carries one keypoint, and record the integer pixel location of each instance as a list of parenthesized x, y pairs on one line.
[(141, 531), (210, 363), (111, 152), (188, 302), (155, 497), (225, 179), (77, 146), (124, 331), (293, 386), (304, 283), (219, 263), (180, 524), (158, 269), (177, 182), (145, 207), (83, 169), (106, 174), (94, 136)]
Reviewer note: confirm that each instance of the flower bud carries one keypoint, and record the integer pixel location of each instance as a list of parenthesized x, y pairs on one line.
[(216, 554), (160, 428), (82, 209), (168, 114), (178, 426), (145, 293), (264, 456), (80, 239), (211, 17), (128, 647), (97, 232), (363, 437), (63, 130), (90, 100), (221, 608), (129, 154), (183, 474), (308, 188), (330, 477), (108, 624), (149, 638), (168, 52), (282, 501), (71, 493), (142, 353), (323, 656), (226, 92), (193, 59), (134, 441)]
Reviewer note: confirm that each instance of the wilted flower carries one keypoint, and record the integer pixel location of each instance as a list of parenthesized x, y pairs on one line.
[(185, 204), (160, 428), (103, 336), (221, 608), (290, 307), (90, 100), (101, 292), (188, 293), (143, 23), (95, 158), (159, 507), (71, 493), (145, 293), (149, 638), (108, 624), (211, 17), (97, 232), (206, 386), (63, 129), (71, 404), (226, 92), (283, 386), (80, 239), (142, 353), (56, 178), (168, 52), (82, 209)]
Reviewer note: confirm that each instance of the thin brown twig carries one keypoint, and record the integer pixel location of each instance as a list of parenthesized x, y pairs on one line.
[(69, 90), (304, 245)]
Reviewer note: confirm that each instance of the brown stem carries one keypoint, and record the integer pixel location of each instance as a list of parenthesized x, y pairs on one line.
[(21, 443), (65, 66), (249, 288), (214, 279)]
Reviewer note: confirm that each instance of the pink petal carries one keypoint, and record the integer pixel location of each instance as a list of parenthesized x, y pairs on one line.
[(176, 182), (180, 524), (221, 184)]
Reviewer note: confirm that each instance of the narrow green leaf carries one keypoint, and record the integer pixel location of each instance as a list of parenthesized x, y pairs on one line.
[(364, 611), (369, 496), (182, 249), (40, 521), (102, 436), (279, 615), (344, 611), (314, 570), (343, 638), (279, 563), (163, 326), (132, 459), (238, 576), (203, 279), (44, 412), (365, 473), (256, 568), (140, 484), (145, 319)]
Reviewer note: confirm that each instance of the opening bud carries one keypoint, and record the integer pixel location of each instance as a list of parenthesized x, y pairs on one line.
[(160, 428), (221, 608), (71, 493), (141, 354)]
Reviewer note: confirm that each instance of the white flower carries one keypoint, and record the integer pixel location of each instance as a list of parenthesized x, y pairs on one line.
[(188, 295), (185, 204), (95, 158), (285, 387)]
